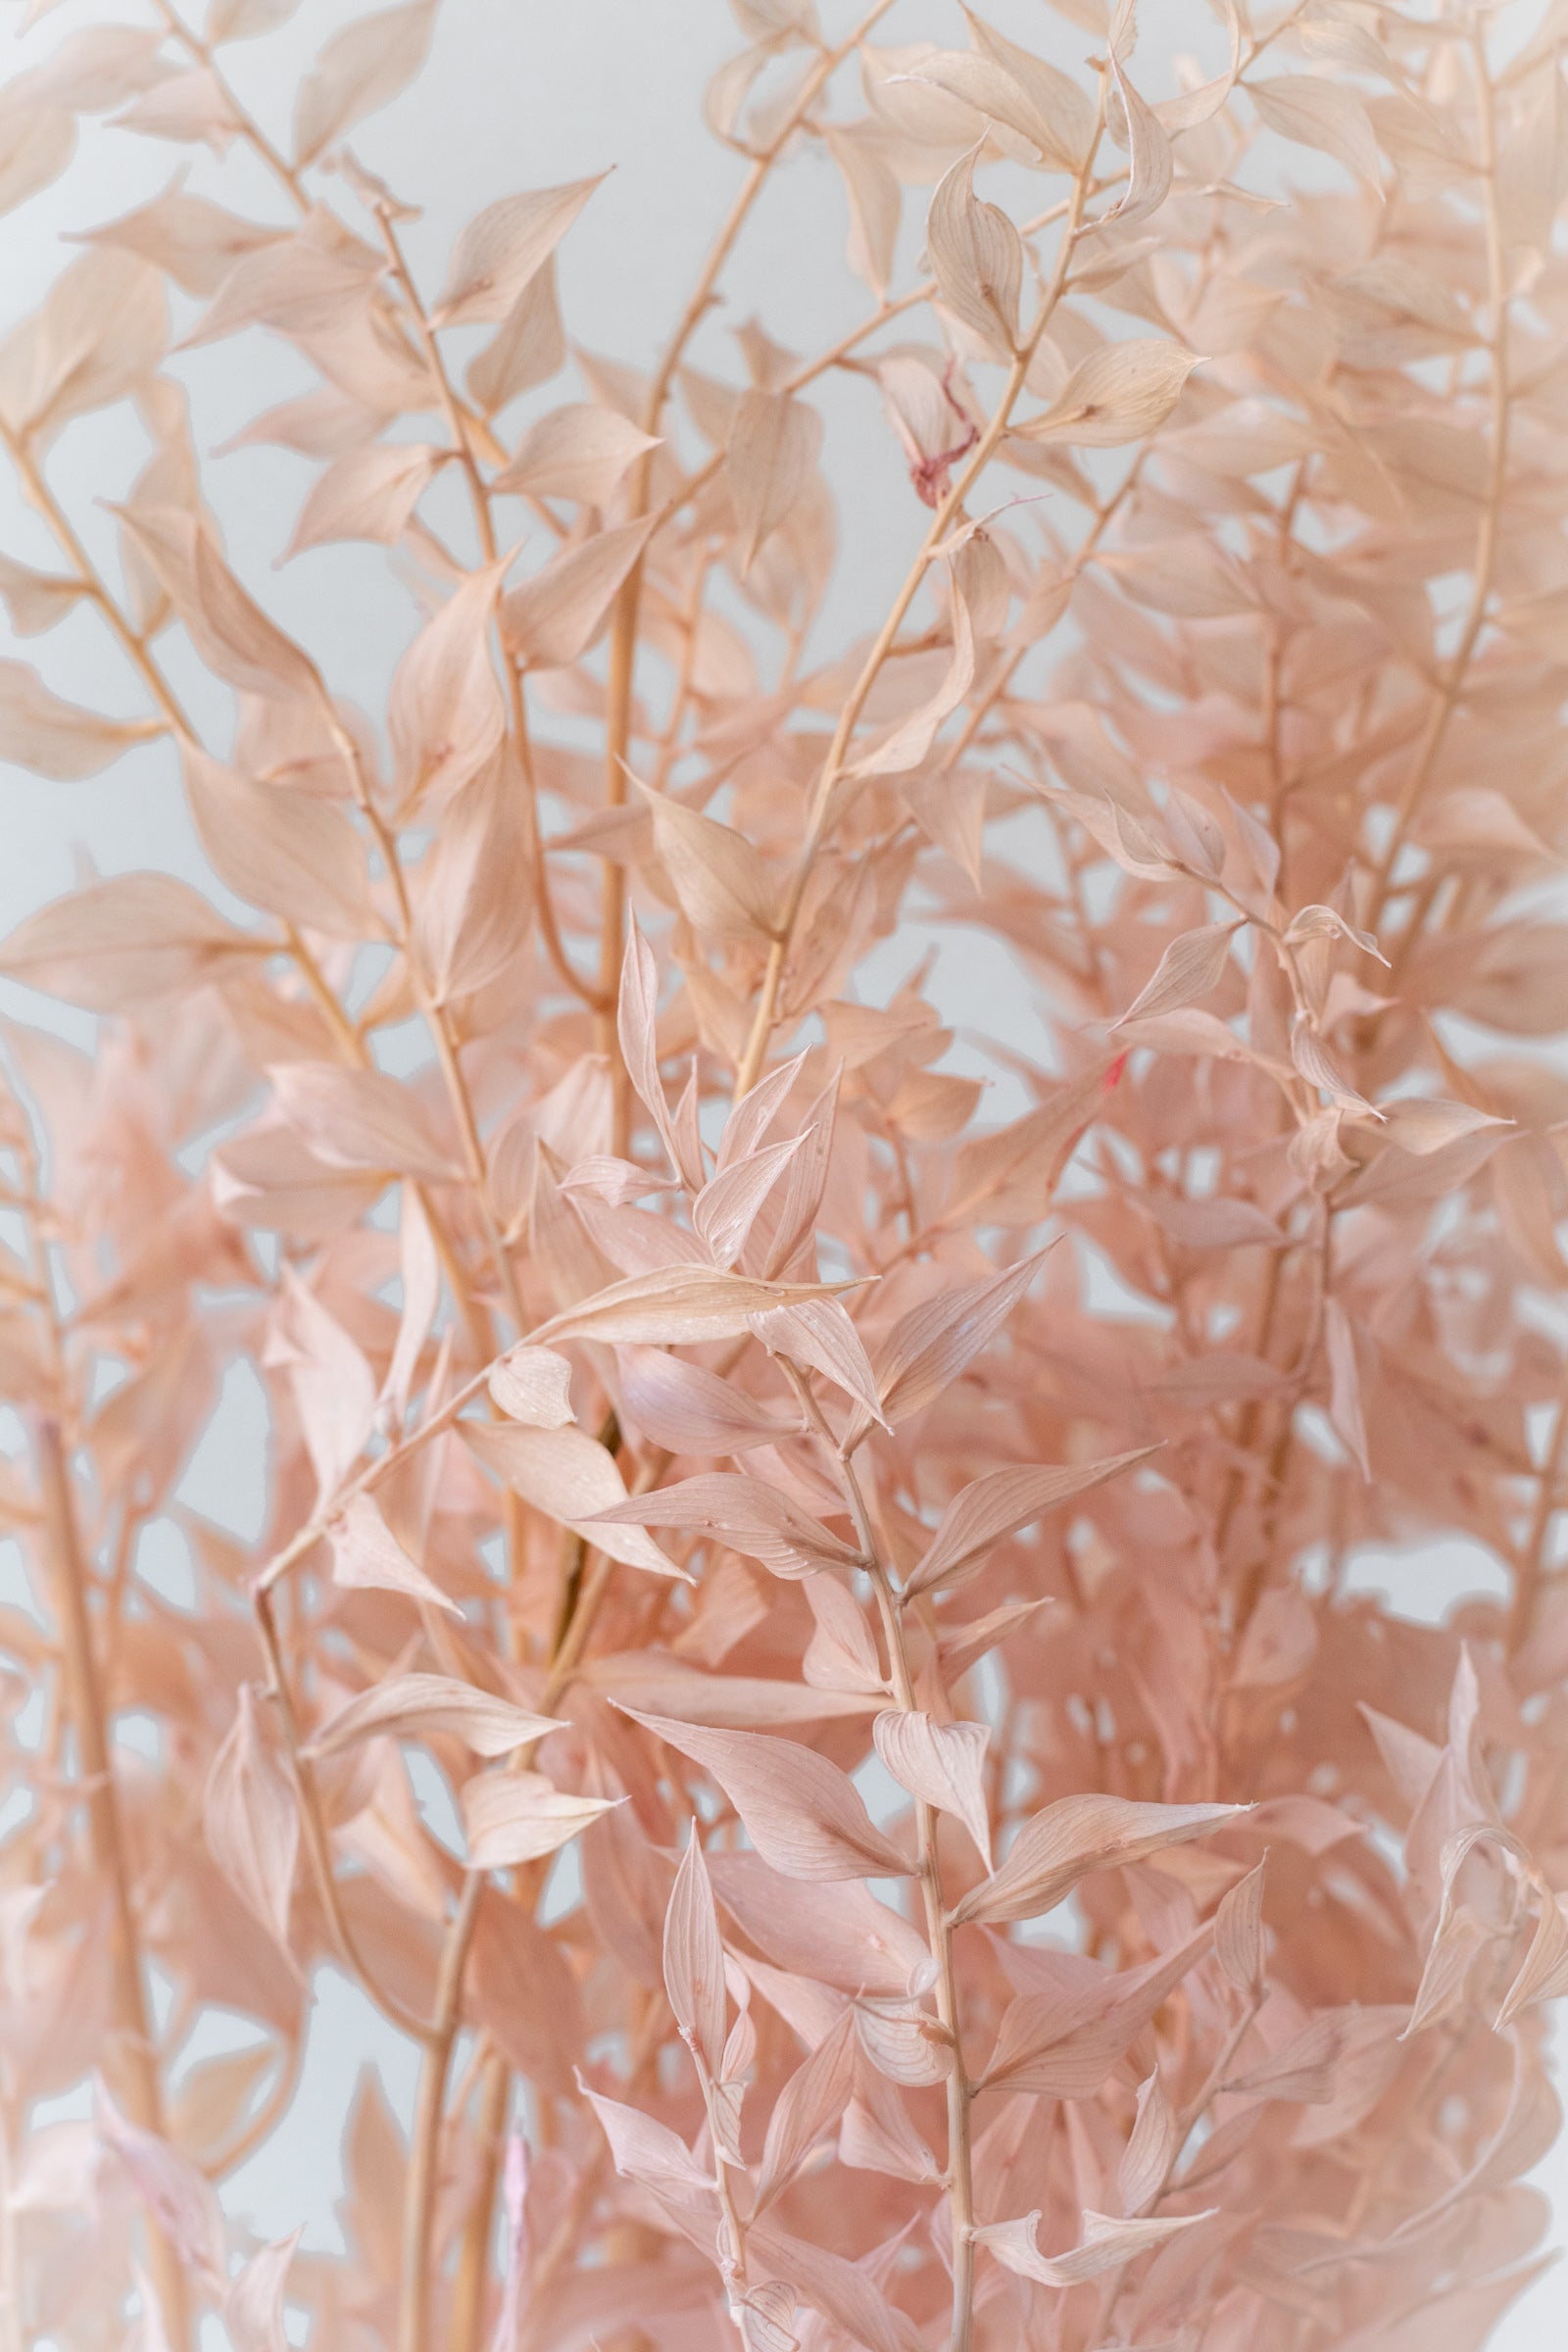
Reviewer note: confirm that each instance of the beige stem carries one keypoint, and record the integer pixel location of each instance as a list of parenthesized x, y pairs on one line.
[(136, 2066)]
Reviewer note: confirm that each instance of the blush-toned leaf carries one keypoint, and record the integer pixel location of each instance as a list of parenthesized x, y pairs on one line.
[(875, 202), (721, 882), (811, 2104), (251, 1818), (1344, 1379), (1318, 114), (365, 1554), (941, 1763), (1151, 2148), (128, 941), (528, 347), (36, 143), (678, 1307), (928, 1348), (502, 249), (570, 1477), (976, 257), (54, 737), (1189, 968), (1239, 1941), (648, 2151), (533, 1384), (552, 619), (186, 236), (1116, 395), (296, 858), (905, 744), (804, 1816), (1150, 165), (445, 714), (998, 1505), (693, 1959), (773, 446), (1105, 2244), (412, 1706), (745, 1514), (359, 69), (690, 1410), (34, 600), (367, 494), (361, 1119), (252, 2306), (513, 1817), (1078, 1835), (579, 452)]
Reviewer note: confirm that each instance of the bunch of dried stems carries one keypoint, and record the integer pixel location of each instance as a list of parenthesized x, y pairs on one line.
[(690, 1417)]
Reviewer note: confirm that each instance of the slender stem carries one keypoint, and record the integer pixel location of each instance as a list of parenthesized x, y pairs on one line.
[(939, 1929), (138, 2084), (1488, 529), (244, 121), (467, 2332), (1528, 1575), (318, 1837), (941, 523), (425, 2146), (623, 637)]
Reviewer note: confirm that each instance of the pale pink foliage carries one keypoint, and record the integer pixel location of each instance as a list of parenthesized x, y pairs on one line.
[(663, 1428)]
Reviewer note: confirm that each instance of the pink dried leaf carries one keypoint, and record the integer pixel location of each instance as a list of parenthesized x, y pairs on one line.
[(571, 1478), (416, 1706), (360, 69), (1106, 2244), (367, 1555), (691, 1410), (1151, 2149), (678, 1307), (941, 1763), (693, 1959), (366, 494), (579, 452), (553, 617), (908, 743), (927, 1348), (361, 1119), (1302, 2072), (55, 739), (1077, 1835), (841, 1654), (746, 1514), (502, 249), (1189, 968), (295, 858), (251, 1818), (513, 1817), (820, 1333), (180, 2202), (729, 1203), (253, 2305), (1240, 1945), (419, 1264), (649, 2153), (976, 257), (36, 144), (804, 1817), (998, 1505), (445, 714), (772, 453), (723, 884), (1118, 394), (533, 1384), (811, 2104)]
